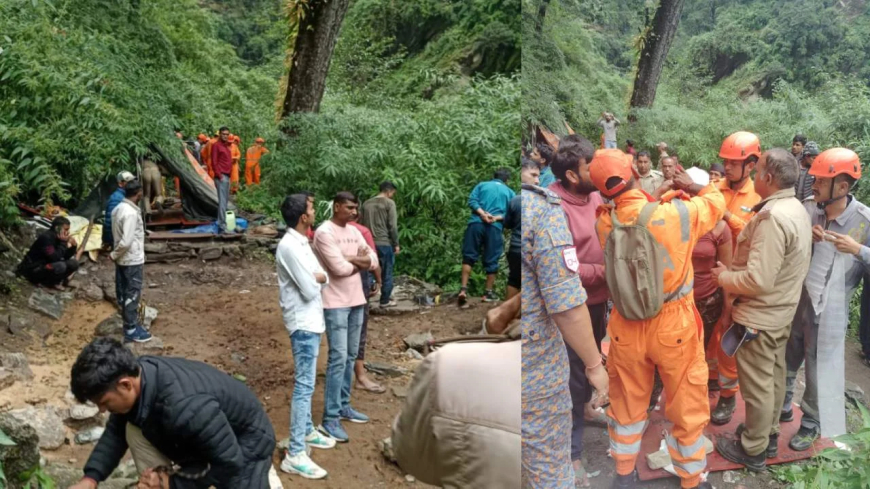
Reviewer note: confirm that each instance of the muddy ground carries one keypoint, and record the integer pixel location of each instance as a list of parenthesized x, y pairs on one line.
[(226, 313)]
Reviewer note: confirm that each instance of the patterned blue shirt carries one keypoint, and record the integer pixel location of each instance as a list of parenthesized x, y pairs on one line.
[(549, 287)]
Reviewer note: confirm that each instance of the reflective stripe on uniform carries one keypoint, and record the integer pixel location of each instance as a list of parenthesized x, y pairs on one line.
[(683, 450), (617, 448), (726, 383), (691, 468), (684, 219), (627, 430)]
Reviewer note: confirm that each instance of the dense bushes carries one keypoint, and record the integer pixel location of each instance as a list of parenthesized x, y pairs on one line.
[(435, 151)]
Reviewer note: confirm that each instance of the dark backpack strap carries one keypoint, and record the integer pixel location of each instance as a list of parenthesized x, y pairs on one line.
[(646, 213)]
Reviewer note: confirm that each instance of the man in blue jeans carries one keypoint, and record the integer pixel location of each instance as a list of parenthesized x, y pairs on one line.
[(344, 253), (489, 204), (379, 215), (300, 281)]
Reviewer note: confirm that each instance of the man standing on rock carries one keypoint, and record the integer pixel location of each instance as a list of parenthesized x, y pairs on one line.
[(301, 280), (222, 165), (343, 252), (128, 231), (172, 411), (379, 215)]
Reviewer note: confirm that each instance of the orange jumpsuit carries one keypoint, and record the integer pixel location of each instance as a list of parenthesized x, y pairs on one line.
[(252, 163), (738, 204), (671, 341), (206, 155), (234, 173)]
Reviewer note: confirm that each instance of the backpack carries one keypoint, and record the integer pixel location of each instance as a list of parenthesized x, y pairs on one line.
[(634, 268)]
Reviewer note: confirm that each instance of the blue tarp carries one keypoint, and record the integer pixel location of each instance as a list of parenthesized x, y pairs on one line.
[(241, 224)]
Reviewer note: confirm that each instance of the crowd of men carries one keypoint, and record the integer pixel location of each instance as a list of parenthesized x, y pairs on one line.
[(714, 280)]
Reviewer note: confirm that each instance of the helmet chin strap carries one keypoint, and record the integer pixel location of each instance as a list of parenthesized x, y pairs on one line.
[(823, 205)]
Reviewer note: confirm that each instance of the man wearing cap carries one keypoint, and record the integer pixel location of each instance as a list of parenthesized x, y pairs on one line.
[(803, 188), (764, 286), (252, 161), (840, 259), (554, 313), (717, 172), (114, 199), (669, 340), (740, 152), (237, 158)]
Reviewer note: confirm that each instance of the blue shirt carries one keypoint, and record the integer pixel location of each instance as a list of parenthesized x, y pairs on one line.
[(549, 287), (493, 197), (547, 178), (114, 199)]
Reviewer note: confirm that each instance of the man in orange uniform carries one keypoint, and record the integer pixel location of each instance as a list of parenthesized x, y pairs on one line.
[(206, 154), (252, 161), (670, 340), (739, 152), (237, 157)]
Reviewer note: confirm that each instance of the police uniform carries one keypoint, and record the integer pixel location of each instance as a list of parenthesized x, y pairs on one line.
[(550, 285)]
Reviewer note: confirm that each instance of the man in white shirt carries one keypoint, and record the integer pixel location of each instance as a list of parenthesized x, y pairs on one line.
[(128, 234), (300, 281)]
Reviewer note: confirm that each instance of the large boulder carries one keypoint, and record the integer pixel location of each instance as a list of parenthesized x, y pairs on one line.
[(48, 423), (24, 455), (47, 303), (111, 326)]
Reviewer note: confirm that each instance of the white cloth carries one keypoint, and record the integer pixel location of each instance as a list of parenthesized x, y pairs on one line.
[(299, 293), (128, 231)]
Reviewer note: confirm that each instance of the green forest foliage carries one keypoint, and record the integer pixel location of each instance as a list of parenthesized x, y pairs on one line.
[(776, 68), (425, 93)]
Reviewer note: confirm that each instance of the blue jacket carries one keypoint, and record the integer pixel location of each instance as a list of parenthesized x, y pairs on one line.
[(493, 197), (547, 178), (114, 199)]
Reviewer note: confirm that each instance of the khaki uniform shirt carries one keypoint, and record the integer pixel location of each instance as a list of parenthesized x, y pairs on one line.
[(460, 427), (651, 181), (770, 263)]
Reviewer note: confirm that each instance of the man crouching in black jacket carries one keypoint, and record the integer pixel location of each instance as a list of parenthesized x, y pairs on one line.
[(173, 412)]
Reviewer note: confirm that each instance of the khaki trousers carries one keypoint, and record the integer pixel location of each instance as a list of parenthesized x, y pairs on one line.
[(145, 456), (761, 370)]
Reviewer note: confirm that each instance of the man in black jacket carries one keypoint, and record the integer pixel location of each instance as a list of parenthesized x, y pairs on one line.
[(51, 259), (172, 411)]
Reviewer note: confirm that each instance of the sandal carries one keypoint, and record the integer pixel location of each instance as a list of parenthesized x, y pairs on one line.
[(463, 297)]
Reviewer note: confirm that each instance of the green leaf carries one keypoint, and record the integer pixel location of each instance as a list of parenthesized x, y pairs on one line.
[(5, 440)]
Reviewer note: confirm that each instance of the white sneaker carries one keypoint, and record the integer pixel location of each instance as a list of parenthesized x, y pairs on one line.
[(317, 439), (302, 465)]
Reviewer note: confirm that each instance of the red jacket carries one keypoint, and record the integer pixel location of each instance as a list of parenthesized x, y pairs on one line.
[(221, 158)]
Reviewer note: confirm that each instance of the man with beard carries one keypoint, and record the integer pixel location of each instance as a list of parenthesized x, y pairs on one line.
[(580, 201)]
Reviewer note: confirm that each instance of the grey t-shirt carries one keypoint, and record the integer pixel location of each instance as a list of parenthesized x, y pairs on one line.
[(609, 129)]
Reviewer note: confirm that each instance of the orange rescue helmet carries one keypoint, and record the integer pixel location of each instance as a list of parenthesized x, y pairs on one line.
[(740, 146), (836, 161), (202, 138), (259, 140), (609, 163), (236, 139)]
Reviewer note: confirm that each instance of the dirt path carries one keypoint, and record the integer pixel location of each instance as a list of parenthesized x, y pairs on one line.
[(227, 314)]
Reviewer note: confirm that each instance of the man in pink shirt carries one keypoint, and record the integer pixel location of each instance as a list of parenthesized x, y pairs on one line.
[(222, 164), (580, 201), (344, 253)]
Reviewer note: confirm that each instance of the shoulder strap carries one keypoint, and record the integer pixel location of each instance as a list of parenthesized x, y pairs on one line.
[(615, 219), (647, 212)]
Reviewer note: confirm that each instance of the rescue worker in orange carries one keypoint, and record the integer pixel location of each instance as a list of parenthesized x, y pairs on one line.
[(670, 340), (206, 154), (237, 158), (252, 161), (740, 153)]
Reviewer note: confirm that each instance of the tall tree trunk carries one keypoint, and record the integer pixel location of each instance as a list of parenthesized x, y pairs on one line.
[(317, 23), (539, 20), (656, 43)]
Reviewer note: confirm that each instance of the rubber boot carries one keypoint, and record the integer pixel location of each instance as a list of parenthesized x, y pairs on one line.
[(724, 409)]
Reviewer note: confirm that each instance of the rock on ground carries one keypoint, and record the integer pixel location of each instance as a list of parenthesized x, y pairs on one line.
[(82, 412), (17, 364), (658, 460), (46, 303), (150, 315), (386, 447), (419, 341), (7, 378), (92, 292), (400, 391), (110, 293), (25, 454), (385, 369), (89, 435), (47, 422), (111, 326)]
